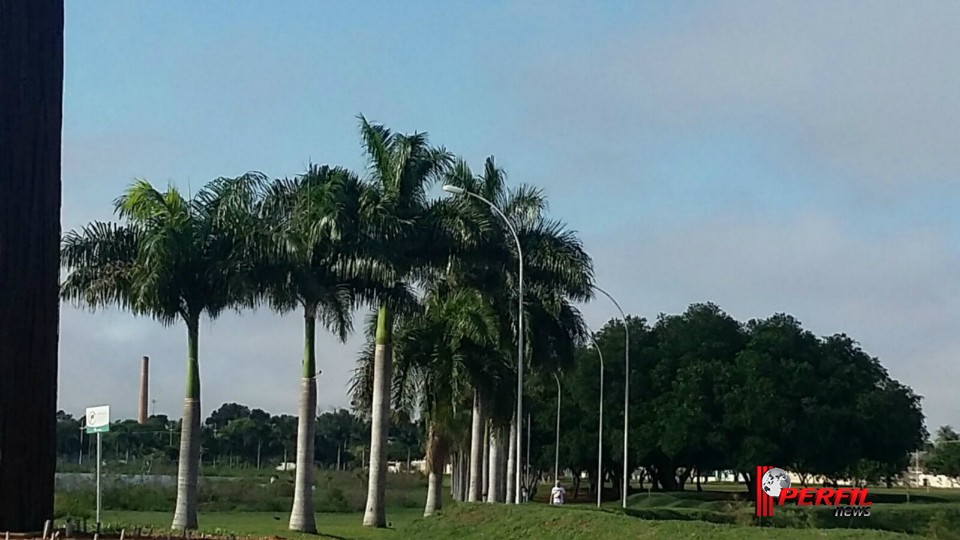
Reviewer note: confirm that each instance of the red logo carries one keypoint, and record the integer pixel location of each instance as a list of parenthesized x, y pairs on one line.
[(774, 484)]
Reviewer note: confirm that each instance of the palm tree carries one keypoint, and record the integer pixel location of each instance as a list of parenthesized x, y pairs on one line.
[(172, 258), (403, 233), (310, 239), (436, 351), (557, 271)]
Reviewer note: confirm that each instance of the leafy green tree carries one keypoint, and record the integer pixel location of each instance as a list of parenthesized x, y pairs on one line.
[(173, 259), (337, 433), (219, 418), (823, 406), (892, 425), (763, 401), (944, 458), (695, 351)]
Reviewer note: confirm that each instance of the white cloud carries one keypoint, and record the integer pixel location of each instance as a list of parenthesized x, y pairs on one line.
[(898, 296), (871, 89)]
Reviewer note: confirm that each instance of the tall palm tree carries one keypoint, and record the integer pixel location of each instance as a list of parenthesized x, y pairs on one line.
[(310, 228), (402, 233), (436, 350), (557, 271), (173, 259)]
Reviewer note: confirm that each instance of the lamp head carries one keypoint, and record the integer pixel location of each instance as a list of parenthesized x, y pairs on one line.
[(453, 189)]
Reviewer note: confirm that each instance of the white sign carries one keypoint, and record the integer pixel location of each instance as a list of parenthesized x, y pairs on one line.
[(98, 419)]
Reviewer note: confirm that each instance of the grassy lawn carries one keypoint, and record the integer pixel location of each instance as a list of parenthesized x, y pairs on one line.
[(339, 525), (247, 508), (540, 521), (481, 521)]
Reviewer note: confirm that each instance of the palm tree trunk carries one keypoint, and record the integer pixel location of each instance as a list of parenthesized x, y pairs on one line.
[(511, 476), (376, 515), (476, 451), (493, 487), (188, 467), (456, 475), (453, 475), (301, 516), (31, 98), (485, 465), (436, 462), (502, 438), (464, 476)]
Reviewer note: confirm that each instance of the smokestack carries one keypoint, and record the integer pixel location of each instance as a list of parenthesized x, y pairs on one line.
[(144, 379)]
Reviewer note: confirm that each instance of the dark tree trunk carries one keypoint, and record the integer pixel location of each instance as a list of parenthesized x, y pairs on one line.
[(683, 478), (667, 478), (31, 112), (748, 481)]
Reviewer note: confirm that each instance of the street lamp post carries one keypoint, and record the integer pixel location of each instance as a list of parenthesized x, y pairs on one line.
[(600, 430), (626, 393), (519, 414), (83, 427), (556, 455), (527, 480)]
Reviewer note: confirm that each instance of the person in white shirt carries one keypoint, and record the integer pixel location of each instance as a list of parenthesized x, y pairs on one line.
[(557, 494)]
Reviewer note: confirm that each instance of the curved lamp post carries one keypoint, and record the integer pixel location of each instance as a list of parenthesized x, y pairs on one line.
[(600, 431), (556, 455), (460, 191), (626, 393)]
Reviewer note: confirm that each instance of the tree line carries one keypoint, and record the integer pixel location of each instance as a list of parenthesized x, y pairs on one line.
[(235, 436), (709, 393), (327, 242), (440, 275)]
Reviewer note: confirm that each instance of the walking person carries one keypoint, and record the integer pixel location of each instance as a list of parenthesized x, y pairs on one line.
[(557, 494)]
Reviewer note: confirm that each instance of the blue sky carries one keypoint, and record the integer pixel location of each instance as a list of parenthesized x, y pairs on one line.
[(785, 156)]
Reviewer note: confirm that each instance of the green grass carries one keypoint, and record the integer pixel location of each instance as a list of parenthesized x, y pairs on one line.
[(347, 526), (482, 521), (254, 507), (935, 514), (468, 522)]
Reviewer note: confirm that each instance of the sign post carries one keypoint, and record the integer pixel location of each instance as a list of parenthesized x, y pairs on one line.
[(98, 421)]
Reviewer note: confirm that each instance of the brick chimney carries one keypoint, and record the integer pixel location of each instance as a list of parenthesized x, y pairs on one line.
[(144, 380)]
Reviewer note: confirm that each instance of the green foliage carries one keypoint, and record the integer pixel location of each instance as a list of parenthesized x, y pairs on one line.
[(335, 492), (944, 457), (709, 393), (232, 437)]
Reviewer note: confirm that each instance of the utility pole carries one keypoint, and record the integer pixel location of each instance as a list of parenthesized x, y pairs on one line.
[(83, 425)]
